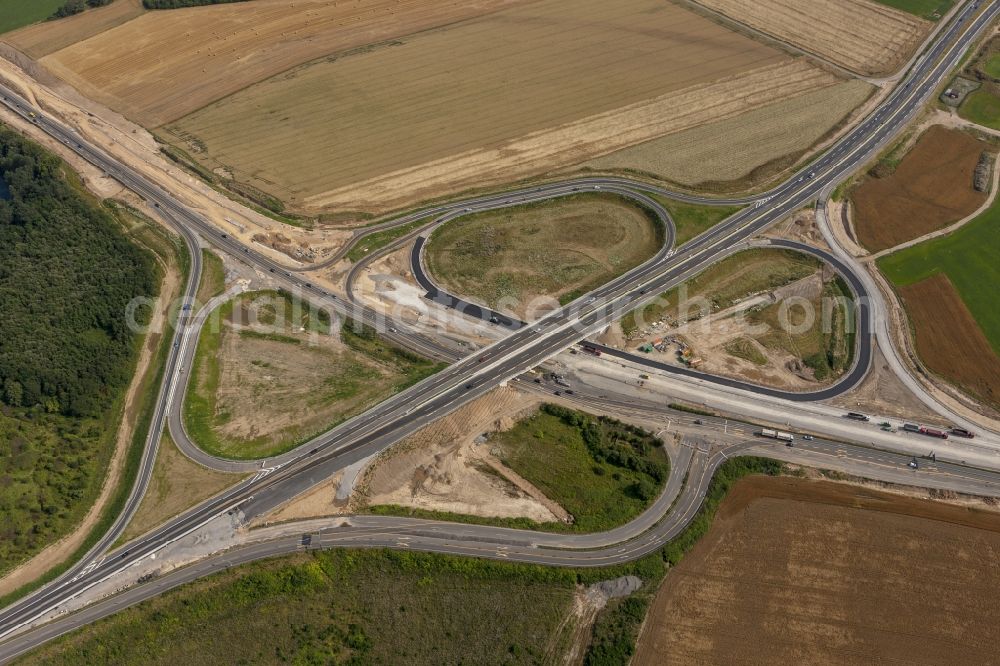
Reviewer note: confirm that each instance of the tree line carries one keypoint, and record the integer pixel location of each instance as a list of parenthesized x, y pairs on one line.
[(76, 6), (67, 274), (177, 4)]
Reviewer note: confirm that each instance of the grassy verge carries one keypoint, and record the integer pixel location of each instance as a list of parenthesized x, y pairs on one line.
[(213, 277), (163, 244), (692, 220), (376, 241)]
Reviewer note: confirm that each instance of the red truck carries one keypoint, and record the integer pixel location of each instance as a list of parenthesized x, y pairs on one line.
[(933, 432), (591, 349)]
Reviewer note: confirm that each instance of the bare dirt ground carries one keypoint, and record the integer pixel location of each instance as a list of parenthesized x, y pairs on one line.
[(883, 392), (278, 383), (931, 188), (948, 339), (47, 37), (178, 484), (319, 501), (800, 227), (442, 467), (210, 52), (170, 288), (866, 37), (758, 143), (379, 142), (388, 285), (711, 336), (797, 571)]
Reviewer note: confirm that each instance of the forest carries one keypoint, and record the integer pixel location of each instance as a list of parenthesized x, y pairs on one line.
[(67, 273)]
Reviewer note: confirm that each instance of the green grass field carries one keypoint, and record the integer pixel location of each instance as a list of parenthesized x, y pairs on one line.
[(692, 220), (19, 13), (992, 66), (553, 249), (982, 108), (343, 607), (928, 9), (969, 258)]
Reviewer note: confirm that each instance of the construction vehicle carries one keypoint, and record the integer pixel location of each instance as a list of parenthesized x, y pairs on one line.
[(962, 432), (858, 416), (777, 434), (933, 432), (911, 427)]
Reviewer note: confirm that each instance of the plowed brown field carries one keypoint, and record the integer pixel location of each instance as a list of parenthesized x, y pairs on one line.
[(931, 188), (949, 341), (811, 572), (865, 37), (165, 64)]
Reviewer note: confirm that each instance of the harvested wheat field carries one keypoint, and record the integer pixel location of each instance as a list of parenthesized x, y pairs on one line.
[(931, 188), (41, 39), (206, 53), (865, 37), (811, 572), (758, 143), (525, 89), (949, 341), (526, 258)]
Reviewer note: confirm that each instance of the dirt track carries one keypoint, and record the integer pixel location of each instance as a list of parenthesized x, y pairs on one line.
[(931, 188), (812, 572)]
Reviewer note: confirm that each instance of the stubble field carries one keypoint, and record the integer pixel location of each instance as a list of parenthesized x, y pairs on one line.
[(807, 572), (506, 95), (931, 188), (47, 37), (758, 143), (866, 37), (206, 53)]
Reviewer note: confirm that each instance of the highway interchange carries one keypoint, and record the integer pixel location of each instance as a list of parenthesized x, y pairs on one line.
[(466, 378)]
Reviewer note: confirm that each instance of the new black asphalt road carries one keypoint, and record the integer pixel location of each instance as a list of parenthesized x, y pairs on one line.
[(520, 351)]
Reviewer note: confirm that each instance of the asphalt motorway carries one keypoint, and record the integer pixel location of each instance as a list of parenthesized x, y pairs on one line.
[(526, 348), (685, 493)]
